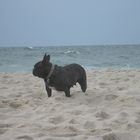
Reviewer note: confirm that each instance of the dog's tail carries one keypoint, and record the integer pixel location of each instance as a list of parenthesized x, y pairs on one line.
[(83, 82)]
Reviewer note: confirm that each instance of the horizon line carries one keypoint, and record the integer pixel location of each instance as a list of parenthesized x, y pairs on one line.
[(123, 44)]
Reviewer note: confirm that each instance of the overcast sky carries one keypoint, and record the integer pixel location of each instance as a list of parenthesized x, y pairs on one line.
[(69, 22)]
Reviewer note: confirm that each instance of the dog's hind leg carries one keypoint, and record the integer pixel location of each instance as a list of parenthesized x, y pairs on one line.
[(83, 83), (67, 92), (49, 92)]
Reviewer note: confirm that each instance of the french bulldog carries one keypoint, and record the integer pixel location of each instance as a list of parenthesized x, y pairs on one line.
[(61, 78)]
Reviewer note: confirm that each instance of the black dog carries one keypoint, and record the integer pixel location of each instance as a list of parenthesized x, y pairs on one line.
[(61, 78)]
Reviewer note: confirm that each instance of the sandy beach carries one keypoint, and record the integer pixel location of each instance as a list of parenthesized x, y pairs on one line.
[(109, 110)]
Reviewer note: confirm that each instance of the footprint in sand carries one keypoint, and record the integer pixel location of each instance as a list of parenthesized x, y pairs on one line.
[(13, 104), (25, 137), (124, 114), (121, 88), (4, 128), (137, 120), (121, 118), (5, 125), (119, 136), (126, 79), (131, 75), (64, 131), (102, 115), (89, 125), (76, 112), (133, 126), (4, 87), (103, 85), (138, 117), (73, 121), (110, 97), (56, 120)]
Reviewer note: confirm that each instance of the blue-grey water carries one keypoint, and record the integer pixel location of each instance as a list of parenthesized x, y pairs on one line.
[(19, 59)]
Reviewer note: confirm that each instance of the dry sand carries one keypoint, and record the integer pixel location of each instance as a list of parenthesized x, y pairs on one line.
[(110, 109)]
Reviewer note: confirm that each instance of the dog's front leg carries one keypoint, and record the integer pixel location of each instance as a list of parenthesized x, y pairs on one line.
[(49, 91)]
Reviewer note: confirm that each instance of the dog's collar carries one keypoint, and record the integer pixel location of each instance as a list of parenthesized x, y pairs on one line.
[(51, 71)]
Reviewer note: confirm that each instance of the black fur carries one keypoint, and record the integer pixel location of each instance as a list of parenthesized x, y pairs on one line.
[(62, 78)]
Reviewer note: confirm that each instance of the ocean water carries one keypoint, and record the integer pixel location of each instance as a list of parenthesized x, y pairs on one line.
[(22, 59)]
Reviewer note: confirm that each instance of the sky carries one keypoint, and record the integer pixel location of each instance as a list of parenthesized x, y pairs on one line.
[(69, 22)]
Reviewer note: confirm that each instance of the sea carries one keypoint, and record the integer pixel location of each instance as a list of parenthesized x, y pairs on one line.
[(96, 57)]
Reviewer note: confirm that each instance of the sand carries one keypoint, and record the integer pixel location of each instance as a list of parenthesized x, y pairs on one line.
[(110, 109)]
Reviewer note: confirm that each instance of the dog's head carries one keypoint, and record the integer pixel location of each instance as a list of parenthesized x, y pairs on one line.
[(42, 68)]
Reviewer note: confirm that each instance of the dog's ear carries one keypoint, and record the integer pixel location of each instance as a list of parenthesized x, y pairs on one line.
[(46, 59)]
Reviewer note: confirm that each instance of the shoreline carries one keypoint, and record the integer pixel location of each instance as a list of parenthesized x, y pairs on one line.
[(109, 109), (88, 69)]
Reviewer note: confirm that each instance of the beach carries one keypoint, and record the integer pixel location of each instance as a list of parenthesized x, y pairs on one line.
[(109, 110)]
